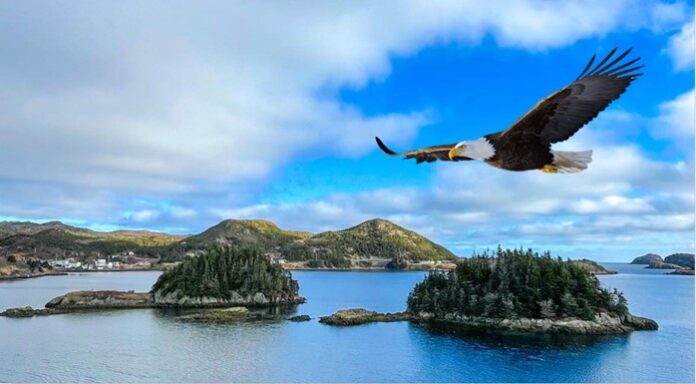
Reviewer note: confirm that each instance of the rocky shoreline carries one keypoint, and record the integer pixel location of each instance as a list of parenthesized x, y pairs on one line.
[(176, 299), (603, 324), (31, 275), (107, 300), (101, 300)]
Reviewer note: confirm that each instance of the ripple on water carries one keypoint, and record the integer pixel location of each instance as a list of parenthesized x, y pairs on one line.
[(154, 346)]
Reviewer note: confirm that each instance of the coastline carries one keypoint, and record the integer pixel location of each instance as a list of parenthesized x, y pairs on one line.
[(602, 324), (160, 269), (32, 276)]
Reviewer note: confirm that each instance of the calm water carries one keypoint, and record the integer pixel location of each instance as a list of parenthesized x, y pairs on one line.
[(150, 345)]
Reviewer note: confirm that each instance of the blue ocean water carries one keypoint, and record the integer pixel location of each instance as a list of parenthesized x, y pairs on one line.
[(153, 346)]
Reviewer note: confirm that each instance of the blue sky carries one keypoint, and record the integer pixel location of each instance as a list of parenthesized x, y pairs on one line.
[(173, 116)]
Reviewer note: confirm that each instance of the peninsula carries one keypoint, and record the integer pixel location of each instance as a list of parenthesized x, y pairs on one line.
[(680, 263)]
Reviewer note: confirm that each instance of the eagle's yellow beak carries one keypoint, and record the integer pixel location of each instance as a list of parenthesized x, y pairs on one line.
[(454, 152)]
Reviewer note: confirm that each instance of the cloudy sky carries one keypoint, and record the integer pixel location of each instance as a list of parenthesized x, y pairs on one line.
[(173, 116)]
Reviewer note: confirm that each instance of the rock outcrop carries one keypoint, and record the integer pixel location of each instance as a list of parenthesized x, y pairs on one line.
[(356, 316), (602, 324), (593, 267), (662, 265), (177, 299), (685, 260), (299, 318), (682, 271), (101, 300), (31, 312), (647, 259)]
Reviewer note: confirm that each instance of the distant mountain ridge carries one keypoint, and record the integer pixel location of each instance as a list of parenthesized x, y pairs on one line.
[(55, 239), (376, 243)]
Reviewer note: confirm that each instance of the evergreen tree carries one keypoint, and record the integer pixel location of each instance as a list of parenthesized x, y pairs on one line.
[(221, 271), (515, 283)]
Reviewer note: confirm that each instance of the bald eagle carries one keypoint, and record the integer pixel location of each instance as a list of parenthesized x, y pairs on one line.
[(526, 144)]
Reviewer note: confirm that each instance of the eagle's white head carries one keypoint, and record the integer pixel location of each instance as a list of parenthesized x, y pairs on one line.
[(480, 149)]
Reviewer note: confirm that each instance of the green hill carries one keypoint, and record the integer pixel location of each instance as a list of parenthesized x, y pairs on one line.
[(258, 233), (57, 240), (373, 243), (10, 228), (359, 245)]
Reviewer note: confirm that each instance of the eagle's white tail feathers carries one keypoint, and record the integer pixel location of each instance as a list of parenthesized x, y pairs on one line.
[(571, 162)]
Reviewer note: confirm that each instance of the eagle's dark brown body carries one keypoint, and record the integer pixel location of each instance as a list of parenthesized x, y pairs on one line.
[(526, 144), (522, 152)]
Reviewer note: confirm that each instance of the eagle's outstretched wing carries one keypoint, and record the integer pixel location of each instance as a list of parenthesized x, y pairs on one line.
[(561, 114), (428, 154)]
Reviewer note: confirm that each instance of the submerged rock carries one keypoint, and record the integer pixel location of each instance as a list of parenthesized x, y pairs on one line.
[(356, 316), (300, 318), (228, 315)]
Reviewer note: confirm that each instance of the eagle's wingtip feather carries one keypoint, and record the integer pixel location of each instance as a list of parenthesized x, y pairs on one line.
[(384, 147)]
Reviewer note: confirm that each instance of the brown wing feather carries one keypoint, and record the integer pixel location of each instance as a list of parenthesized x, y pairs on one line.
[(428, 154), (561, 114)]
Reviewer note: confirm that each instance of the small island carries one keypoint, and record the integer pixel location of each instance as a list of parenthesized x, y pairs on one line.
[(225, 277), (222, 277), (357, 316), (519, 291)]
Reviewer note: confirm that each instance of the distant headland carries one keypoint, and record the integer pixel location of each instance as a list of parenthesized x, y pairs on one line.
[(680, 263)]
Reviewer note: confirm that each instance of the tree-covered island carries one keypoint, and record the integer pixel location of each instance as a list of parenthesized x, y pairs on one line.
[(225, 276), (521, 292)]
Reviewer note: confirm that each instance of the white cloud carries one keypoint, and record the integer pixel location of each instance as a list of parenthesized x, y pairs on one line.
[(681, 48), (105, 107), (676, 119), (181, 99), (144, 215), (625, 203), (183, 213)]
